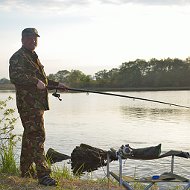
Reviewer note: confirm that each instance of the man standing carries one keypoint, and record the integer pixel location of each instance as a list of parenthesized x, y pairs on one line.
[(27, 74)]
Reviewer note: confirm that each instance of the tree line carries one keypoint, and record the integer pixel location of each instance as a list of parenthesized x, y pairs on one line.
[(132, 74)]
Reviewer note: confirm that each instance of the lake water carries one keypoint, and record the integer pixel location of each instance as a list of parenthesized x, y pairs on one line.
[(108, 121)]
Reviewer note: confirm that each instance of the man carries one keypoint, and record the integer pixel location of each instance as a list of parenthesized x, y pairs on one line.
[(27, 74)]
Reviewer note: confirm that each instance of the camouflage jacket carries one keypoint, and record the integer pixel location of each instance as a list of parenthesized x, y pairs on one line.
[(24, 70)]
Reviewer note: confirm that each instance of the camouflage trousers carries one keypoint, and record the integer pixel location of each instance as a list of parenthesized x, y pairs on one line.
[(33, 139)]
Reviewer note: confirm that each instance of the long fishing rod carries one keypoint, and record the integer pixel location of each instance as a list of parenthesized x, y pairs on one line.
[(118, 95)]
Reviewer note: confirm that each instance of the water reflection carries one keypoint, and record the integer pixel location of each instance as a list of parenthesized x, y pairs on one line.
[(141, 111), (155, 113)]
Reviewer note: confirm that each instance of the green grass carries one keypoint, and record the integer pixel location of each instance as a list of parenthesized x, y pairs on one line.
[(7, 159), (58, 173)]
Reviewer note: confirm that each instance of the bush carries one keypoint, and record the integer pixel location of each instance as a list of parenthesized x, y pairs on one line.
[(7, 138)]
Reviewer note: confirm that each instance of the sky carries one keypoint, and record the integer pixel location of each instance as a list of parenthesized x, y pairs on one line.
[(93, 35)]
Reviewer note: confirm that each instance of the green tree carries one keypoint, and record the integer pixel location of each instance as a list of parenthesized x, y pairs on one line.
[(61, 76), (130, 74), (77, 78), (139, 73), (102, 78)]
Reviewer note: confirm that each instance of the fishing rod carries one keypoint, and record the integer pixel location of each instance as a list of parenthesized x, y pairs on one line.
[(113, 94)]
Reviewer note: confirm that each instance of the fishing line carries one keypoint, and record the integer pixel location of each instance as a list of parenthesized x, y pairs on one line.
[(113, 94)]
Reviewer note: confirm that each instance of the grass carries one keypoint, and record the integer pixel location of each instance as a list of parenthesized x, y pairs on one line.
[(14, 182), (66, 181), (8, 163), (10, 182)]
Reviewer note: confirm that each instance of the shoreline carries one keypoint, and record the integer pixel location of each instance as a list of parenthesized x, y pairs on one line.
[(10, 87)]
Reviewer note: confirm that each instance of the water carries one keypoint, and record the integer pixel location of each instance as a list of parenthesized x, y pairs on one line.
[(107, 121)]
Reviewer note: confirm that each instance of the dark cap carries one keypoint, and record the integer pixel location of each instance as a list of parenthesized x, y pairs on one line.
[(30, 32)]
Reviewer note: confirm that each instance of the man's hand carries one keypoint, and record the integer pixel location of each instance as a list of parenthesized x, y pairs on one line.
[(41, 85), (62, 86)]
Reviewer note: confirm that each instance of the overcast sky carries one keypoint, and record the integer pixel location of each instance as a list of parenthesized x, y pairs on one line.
[(92, 35)]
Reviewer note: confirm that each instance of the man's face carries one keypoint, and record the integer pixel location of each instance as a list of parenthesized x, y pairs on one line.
[(30, 42)]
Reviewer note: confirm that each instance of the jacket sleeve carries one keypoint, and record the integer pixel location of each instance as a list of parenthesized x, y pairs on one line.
[(19, 73)]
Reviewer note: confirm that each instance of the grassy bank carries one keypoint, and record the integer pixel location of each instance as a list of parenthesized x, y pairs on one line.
[(14, 182)]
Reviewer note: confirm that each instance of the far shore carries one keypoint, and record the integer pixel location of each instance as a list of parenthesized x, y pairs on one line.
[(10, 87)]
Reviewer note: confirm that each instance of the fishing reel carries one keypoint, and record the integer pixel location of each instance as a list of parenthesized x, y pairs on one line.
[(57, 95)]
